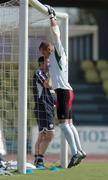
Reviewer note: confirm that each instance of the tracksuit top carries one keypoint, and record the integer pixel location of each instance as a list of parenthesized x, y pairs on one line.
[(42, 95)]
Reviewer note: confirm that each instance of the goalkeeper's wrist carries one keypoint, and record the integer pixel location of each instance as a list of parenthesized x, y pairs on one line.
[(51, 16)]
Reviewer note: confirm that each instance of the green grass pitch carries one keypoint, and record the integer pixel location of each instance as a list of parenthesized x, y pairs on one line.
[(84, 171)]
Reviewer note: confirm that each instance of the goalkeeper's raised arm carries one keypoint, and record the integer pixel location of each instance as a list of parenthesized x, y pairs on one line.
[(55, 32), (54, 25)]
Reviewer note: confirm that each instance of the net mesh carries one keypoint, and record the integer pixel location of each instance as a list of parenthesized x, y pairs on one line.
[(9, 71), (9, 20)]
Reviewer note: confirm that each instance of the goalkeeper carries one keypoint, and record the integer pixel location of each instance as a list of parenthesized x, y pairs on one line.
[(58, 70), (44, 110)]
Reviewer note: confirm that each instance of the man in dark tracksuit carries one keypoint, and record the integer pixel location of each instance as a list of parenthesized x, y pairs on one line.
[(44, 110)]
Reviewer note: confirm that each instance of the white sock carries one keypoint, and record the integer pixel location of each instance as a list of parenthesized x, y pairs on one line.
[(76, 136), (69, 137)]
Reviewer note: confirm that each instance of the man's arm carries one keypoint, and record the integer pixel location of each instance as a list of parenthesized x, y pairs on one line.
[(55, 33), (54, 24)]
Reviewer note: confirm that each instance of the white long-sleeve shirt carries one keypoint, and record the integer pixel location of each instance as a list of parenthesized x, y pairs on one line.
[(58, 67)]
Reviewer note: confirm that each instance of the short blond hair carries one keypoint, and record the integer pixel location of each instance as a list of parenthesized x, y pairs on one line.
[(44, 45)]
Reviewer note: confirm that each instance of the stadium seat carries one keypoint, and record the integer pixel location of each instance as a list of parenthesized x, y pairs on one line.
[(87, 65), (92, 76), (105, 86), (102, 65), (104, 75)]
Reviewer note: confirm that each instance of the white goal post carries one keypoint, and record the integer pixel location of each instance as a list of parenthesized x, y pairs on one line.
[(23, 63)]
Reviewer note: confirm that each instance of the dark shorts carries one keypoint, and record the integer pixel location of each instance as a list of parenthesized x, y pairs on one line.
[(45, 117), (64, 103)]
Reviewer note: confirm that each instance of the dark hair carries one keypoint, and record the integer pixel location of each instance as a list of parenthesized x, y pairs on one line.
[(41, 60), (44, 45)]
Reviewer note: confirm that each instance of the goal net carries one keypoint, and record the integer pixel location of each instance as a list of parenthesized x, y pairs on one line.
[(18, 62)]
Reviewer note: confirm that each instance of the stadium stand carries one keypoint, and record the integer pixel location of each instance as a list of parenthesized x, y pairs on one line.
[(90, 72), (105, 87), (87, 65), (92, 76), (102, 65), (90, 105), (104, 75)]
